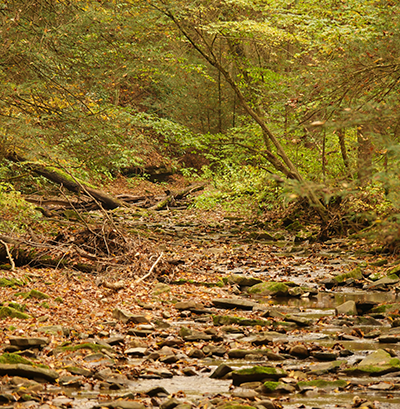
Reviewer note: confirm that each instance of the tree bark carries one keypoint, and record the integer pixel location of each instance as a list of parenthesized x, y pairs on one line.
[(343, 150), (365, 149)]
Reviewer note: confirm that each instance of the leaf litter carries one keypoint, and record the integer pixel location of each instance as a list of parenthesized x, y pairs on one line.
[(116, 332)]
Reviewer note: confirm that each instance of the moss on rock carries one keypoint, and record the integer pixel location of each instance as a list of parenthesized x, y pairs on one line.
[(10, 312), (271, 288)]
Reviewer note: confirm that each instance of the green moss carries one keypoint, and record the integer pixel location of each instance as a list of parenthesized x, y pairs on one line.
[(323, 384), (10, 282), (255, 370), (12, 358), (367, 369), (381, 308), (66, 176), (6, 312), (357, 274), (270, 386), (394, 362), (59, 300), (37, 294), (16, 306), (272, 288), (86, 345)]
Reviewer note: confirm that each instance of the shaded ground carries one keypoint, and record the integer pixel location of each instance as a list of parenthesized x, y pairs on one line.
[(175, 297)]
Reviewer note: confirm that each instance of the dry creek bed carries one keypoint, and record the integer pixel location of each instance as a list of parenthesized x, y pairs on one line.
[(235, 325)]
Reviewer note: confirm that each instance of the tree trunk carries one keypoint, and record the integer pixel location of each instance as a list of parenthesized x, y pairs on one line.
[(343, 151), (365, 150)]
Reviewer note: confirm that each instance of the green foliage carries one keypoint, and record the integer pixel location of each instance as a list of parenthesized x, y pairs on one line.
[(15, 213), (238, 188)]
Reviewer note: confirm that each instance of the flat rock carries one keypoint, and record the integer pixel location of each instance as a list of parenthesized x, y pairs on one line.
[(188, 305), (54, 329), (195, 336), (98, 359), (28, 371), (28, 342), (324, 356), (123, 404), (389, 339), (126, 317), (232, 303), (138, 351)]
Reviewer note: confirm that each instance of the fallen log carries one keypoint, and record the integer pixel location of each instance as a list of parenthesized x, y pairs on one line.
[(74, 185), (71, 183), (172, 197)]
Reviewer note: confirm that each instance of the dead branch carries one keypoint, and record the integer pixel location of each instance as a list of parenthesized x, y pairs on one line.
[(8, 255), (151, 270)]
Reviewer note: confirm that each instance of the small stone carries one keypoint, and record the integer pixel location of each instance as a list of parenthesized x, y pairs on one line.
[(157, 391), (196, 353), (221, 371), (170, 404), (138, 351), (347, 308), (299, 351), (125, 317), (189, 372)]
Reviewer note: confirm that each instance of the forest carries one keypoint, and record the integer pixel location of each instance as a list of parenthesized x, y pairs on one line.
[(190, 144)]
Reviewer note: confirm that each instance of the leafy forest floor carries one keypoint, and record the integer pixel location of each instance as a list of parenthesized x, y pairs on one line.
[(181, 308)]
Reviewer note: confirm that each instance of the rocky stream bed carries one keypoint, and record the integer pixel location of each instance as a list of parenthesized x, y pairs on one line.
[(241, 320)]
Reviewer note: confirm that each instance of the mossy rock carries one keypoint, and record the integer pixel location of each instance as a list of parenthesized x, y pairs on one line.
[(10, 282), (86, 345), (271, 288), (257, 373), (270, 386), (381, 262), (386, 308), (395, 270), (356, 274), (376, 276), (378, 362), (16, 306), (10, 312), (13, 358), (37, 294)]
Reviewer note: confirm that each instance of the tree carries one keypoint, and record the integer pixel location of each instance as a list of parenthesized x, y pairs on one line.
[(205, 28)]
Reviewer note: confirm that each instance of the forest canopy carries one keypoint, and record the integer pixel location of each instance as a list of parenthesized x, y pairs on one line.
[(271, 101)]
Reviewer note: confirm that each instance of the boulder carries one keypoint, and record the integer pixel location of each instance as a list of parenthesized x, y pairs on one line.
[(347, 308), (272, 289)]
